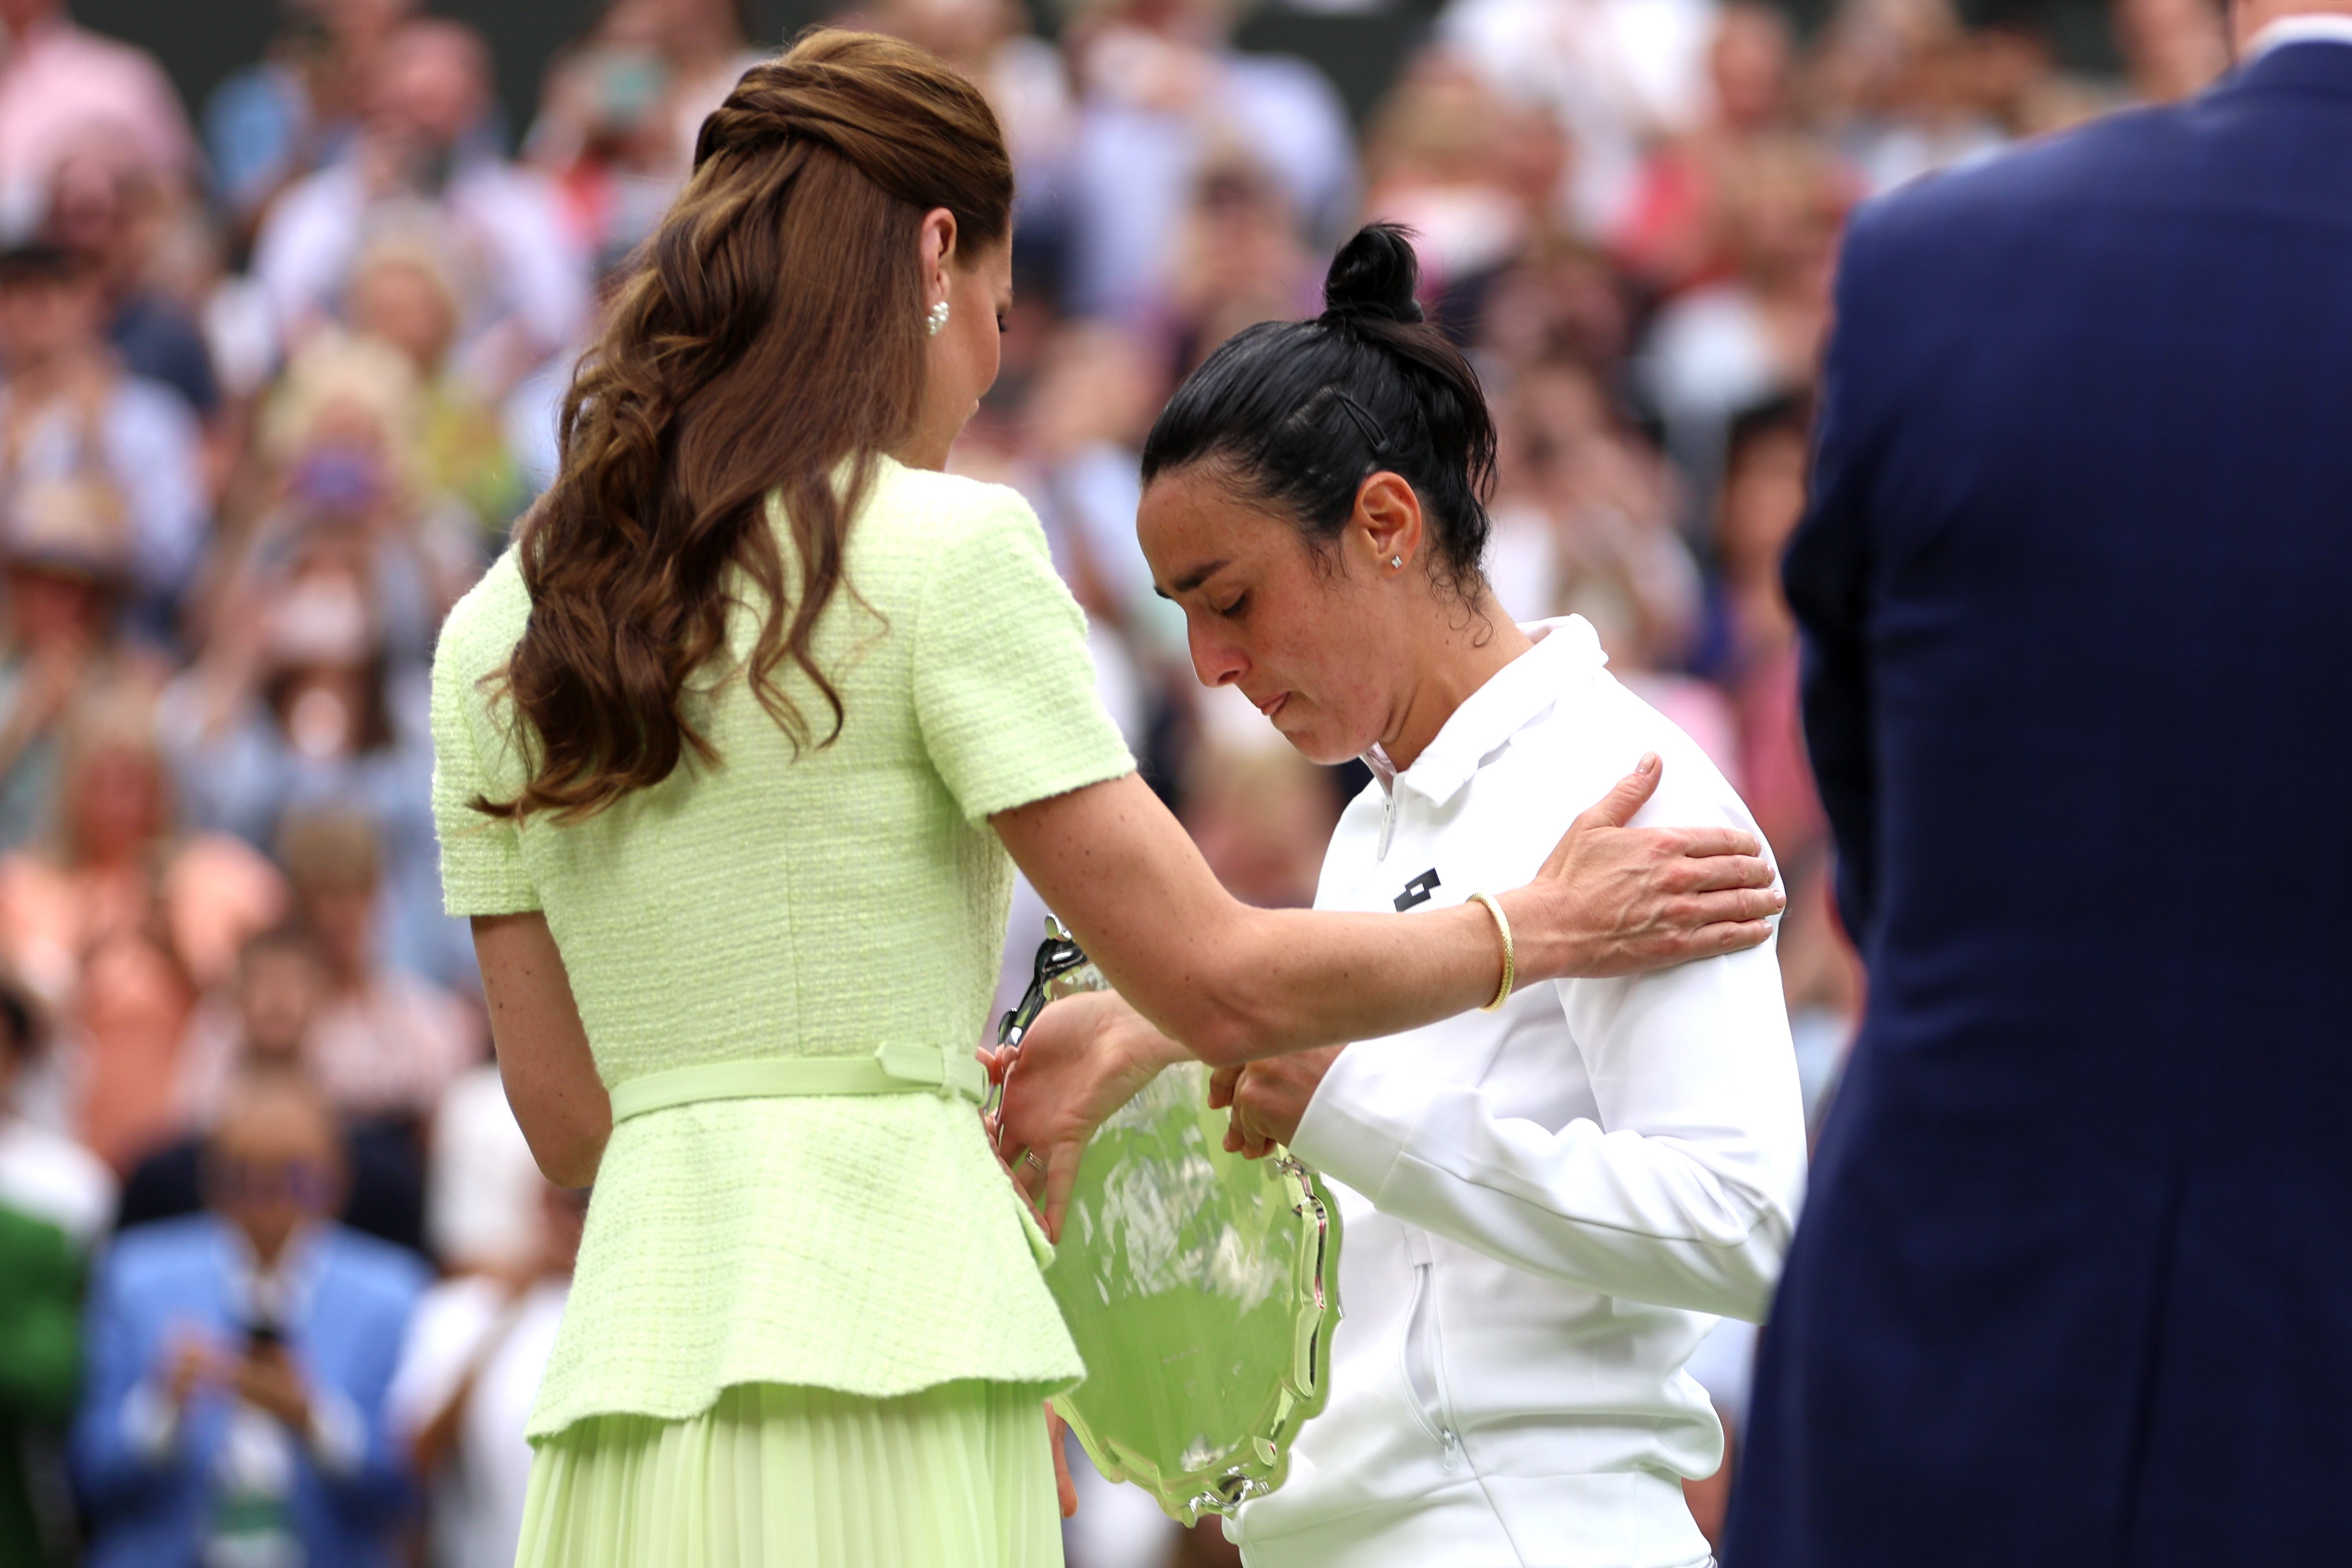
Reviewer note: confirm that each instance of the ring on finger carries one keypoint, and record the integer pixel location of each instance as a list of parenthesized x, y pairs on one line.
[(1029, 1157)]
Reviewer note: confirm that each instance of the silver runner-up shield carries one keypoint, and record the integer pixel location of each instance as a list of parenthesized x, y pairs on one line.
[(1201, 1287)]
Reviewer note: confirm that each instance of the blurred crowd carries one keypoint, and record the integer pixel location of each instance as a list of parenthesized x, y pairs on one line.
[(277, 1273)]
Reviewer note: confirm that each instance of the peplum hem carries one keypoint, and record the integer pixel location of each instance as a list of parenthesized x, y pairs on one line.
[(872, 1246)]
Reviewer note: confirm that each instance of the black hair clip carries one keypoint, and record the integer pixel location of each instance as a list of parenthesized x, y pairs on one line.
[(1365, 424)]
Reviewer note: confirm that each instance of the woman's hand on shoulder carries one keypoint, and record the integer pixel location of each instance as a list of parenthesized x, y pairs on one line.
[(1612, 899), (1083, 1058)]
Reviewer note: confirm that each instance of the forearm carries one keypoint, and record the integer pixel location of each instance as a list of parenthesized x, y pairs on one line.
[(433, 1442), (1262, 983), (1229, 981), (544, 1059)]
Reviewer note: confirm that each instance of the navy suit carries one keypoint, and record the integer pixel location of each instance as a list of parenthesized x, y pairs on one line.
[(2073, 1285)]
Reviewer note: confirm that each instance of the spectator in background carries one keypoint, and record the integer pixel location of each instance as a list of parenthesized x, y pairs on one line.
[(403, 295), (388, 1044), (69, 414), (621, 109), (266, 1021), (1025, 79), (1757, 334), (1559, 298), (311, 720), (1161, 92), (2171, 48), (419, 163), (1474, 174), (1075, 455), (1585, 526), (1672, 233), (278, 119), (310, 687), (233, 1407), (1901, 88), (44, 1175), (1257, 812), (468, 1374), (40, 1365), (2016, 78), (264, 1018), (481, 1182), (604, 137), (55, 1199), (66, 557), (351, 481), (117, 925), (1238, 257), (109, 211), (60, 86), (1618, 75), (1762, 497), (304, 708)]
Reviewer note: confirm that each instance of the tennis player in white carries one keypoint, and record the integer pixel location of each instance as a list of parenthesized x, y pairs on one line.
[(1546, 1205)]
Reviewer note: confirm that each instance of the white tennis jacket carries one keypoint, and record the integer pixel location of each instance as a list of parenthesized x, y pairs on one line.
[(1546, 1207)]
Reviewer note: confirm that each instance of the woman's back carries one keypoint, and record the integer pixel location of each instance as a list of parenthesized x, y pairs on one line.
[(824, 902), (778, 904)]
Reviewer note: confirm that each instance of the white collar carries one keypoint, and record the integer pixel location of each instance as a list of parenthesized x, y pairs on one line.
[(1513, 695), (282, 1295), (2307, 28)]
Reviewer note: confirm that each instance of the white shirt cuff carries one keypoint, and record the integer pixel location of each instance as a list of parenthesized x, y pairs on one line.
[(1347, 1132), (338, 1432), (148, 1422)]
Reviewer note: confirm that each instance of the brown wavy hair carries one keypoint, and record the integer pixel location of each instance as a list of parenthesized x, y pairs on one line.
[(770, 339)]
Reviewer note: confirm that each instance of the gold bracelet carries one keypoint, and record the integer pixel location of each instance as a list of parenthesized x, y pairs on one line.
[(1510, 958)]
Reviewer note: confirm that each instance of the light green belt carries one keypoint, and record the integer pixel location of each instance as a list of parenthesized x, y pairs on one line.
[(891, 1070)]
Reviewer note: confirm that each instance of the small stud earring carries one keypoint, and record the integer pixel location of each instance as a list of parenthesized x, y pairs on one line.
[(937, 320), (1396, 562)]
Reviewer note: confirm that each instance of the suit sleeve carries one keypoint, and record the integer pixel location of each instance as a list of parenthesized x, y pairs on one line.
[(114, 1460), (364, 1473), (1827, 575)]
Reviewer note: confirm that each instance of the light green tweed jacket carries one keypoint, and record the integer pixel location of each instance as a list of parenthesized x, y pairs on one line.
[(783, 906)]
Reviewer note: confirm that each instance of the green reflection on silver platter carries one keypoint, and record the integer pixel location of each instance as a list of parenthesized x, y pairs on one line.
[(1201, 1290)]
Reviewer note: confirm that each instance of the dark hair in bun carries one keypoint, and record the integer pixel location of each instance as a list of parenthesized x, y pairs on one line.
[(1373, 278), (1299, 414)]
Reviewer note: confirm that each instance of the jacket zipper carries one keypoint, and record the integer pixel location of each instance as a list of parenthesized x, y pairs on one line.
[(1424, 1375)]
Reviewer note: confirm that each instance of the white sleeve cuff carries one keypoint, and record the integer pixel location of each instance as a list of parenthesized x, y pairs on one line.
[(338, 1432), (1349, 1131), (148, 1422)]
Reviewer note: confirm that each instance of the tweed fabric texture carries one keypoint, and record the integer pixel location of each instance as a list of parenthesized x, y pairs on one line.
[(956, 1477), (783, 903)]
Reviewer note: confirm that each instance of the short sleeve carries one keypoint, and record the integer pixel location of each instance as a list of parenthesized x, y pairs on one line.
[(482, 870), (1005, 688)]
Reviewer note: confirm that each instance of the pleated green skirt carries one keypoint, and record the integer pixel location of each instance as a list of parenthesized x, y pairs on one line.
[(773, 1475)]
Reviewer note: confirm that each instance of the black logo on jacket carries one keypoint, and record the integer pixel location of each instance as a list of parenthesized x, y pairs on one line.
[(1417, 890)]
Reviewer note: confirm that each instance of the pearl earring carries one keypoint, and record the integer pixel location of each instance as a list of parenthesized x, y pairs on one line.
[(937, 320)]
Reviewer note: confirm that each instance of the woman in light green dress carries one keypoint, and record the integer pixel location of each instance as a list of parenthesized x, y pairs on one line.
[(731, 749)]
